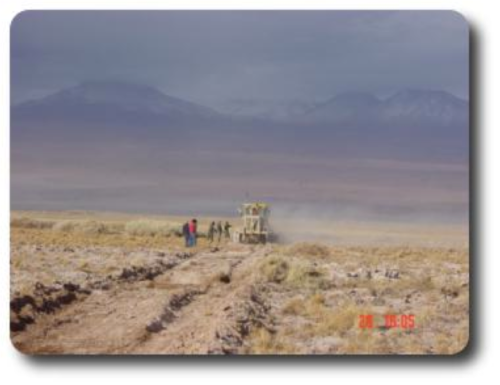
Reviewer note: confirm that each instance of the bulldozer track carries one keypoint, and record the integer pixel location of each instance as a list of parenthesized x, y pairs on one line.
[(188, 304)]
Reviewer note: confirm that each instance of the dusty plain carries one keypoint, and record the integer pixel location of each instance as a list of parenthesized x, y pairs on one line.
[(109, 283)]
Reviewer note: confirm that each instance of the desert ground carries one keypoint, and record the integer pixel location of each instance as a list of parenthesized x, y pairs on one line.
[(108, 283)]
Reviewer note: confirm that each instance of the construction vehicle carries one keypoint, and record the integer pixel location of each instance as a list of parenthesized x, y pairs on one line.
[(255, 218)]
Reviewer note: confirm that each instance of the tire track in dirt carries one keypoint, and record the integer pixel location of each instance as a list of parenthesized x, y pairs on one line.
[(137, 311), (48, 299), (32, 313), (220, 316)]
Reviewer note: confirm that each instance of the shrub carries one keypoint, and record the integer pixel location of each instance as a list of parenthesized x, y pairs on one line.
[(292, 272), (310, 307), (274, 269), (303, 274), (306, 249), (262, 341), (29, 223), (338, 321), (85, 227), (144, 227)]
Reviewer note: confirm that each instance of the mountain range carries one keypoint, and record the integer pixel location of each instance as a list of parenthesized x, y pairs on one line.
[(434, 122), (114, 145), (94, 100), (415, 106)]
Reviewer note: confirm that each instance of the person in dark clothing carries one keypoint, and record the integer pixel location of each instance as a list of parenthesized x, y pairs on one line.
[(185, 233), (211, 232), (227, 226), (219, 231)]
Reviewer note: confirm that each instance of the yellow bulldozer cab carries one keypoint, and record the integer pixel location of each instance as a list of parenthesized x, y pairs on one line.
[(255, 218), (257, 208)]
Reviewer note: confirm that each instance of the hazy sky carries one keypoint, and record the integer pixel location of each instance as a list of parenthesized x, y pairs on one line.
[(213, 56)]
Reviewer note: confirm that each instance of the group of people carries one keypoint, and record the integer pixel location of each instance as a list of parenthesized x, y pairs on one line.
[(218, 230), (190, 232)]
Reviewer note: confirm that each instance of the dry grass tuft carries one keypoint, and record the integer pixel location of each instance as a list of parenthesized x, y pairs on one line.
[(330, 322), (85, 227), (262, 341), (304, 275), (30, 223), (294, 306), (324, 319), (144, 227), (293, 272), (274, 269), (308, 249)]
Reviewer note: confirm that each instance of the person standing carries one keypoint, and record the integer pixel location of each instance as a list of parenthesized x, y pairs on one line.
[(193, 232), (227, 226), (185, 233), (211, 232), (219, 231)]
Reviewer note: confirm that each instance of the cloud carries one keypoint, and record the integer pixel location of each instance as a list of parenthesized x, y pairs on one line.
[(217, 55)]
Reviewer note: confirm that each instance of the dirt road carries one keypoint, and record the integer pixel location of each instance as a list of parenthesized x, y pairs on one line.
[(202, 303)]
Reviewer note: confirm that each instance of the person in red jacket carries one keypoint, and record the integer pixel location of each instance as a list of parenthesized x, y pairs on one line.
[(193, 228)]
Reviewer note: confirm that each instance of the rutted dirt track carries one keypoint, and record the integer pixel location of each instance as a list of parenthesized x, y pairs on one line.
[(202, 303)]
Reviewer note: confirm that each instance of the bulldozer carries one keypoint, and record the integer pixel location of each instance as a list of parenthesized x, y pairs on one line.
[(255, 228)]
